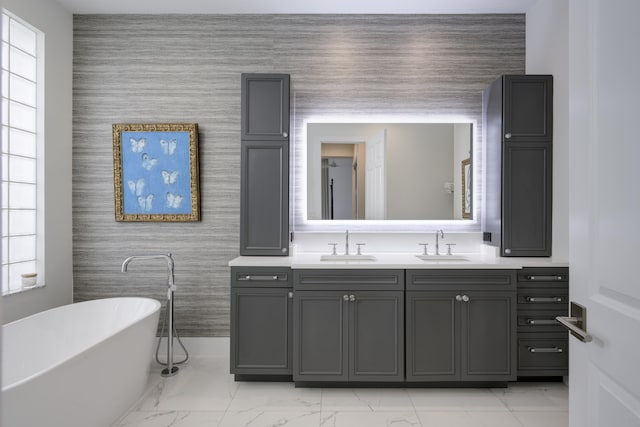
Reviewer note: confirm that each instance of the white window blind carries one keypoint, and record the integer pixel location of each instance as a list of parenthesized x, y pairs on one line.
[(22, 237)]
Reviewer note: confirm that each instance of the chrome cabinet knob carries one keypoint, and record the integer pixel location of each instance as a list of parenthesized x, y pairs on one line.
[(465, 298), (352, 298), (285, 134), (507, 135), (458, 298), (290, 294), (345, 297)]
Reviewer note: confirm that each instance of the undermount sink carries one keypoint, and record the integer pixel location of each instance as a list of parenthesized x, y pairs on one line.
[(350, 257), (441, 258)]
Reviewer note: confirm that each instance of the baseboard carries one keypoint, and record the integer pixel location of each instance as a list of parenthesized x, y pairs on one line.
[(198, 346)]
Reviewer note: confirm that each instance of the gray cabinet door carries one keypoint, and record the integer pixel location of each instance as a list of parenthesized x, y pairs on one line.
[(488, 334), (265, 107), (348, 336), (320, 333), (461, 325), (526, 199), (376, 336), (432, 336), (518, 125), (261, 331), (528, 108), (264, 201)]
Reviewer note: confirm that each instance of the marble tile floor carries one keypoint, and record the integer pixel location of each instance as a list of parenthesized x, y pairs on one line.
[(204, 394)]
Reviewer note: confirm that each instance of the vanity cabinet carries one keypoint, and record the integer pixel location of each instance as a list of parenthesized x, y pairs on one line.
[(261, 327), (518, 126), (543, 344), (348, 325), (461, 325), (264, 165)]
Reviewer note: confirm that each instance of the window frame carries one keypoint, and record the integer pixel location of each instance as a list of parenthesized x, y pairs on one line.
[(15, 286)]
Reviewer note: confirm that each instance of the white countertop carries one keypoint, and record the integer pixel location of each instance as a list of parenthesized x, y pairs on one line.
[(396, 261)]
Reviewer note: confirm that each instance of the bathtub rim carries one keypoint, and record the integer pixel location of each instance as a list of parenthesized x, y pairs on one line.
[(156, 305)]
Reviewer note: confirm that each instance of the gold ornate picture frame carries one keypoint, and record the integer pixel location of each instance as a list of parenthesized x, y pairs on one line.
[(156, 172), (466, 189)]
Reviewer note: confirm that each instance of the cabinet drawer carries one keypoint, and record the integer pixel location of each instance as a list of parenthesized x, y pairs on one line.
[(391, 280), (541, 355), (271, 277), (532, 299), (540, 320), (487, 280), (543, 278)]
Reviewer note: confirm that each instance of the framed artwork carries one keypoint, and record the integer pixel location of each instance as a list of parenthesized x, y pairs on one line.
[(155, 172), (466, 189)]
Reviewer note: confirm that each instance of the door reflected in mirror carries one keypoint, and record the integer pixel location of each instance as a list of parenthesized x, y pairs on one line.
[(389, 171)]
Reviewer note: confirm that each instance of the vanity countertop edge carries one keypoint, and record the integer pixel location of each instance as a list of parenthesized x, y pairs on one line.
[(395, 261)]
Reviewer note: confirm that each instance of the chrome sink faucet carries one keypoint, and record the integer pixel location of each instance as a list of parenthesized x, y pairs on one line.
[(439, 234), (346, 242)]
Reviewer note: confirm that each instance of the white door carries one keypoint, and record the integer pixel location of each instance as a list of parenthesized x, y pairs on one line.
[(604, 45), (375, 186)]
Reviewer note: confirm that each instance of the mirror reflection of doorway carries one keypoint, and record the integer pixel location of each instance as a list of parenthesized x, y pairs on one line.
[(337, 203), (342, 181)]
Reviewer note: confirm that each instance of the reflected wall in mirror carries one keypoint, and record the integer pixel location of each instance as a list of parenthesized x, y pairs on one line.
[(388, 171)]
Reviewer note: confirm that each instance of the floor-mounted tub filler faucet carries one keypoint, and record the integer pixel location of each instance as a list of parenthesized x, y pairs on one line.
[(171, 287)]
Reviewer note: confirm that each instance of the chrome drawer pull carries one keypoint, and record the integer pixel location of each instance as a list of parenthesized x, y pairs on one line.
[(542, 321), (544, 299), (544, 278), (545, 349), (260, 278)]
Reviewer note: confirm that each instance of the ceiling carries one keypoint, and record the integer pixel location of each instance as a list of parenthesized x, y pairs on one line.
[(297, 6)]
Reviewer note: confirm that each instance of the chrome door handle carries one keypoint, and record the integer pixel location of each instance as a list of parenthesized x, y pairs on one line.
[(544, 350), (571, 323), (576, 323)]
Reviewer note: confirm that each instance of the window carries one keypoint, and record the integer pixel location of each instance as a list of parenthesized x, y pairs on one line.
[(22, 152)]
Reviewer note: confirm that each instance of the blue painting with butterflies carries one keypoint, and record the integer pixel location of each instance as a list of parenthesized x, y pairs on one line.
[(156, 172)]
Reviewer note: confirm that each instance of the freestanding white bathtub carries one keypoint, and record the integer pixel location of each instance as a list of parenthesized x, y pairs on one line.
[(79, 365)]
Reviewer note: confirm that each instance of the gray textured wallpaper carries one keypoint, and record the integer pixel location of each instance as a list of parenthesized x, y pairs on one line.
[(186, 68)]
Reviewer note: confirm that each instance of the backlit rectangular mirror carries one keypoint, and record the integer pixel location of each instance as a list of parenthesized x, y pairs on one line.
[(389, 171)]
